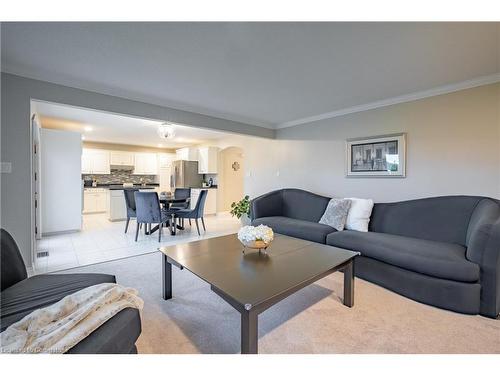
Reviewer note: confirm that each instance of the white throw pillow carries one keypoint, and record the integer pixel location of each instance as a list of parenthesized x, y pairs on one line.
[(359, 214)]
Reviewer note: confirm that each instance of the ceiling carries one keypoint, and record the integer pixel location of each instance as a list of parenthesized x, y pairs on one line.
[(266, 74), (96, 126)]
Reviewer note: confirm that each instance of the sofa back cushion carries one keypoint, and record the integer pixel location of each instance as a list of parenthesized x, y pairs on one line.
[(444, 219), (303, 205), (12, 264)]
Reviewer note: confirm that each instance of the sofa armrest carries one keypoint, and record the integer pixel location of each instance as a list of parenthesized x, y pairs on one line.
[(270, 204), (484, 249)]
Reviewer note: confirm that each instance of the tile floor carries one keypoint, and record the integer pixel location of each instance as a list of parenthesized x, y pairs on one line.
[(101, 240)]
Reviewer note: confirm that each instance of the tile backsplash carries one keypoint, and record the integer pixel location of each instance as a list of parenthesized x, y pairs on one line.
[(119, 176)]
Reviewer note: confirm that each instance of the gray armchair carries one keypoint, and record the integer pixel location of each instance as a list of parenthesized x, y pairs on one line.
[(20, 295)]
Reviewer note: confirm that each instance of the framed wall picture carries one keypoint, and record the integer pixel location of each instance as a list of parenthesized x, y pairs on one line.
[(380, 156)]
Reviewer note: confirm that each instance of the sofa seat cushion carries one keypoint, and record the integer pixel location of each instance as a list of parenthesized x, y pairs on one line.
[(39, 291), (437, 259), (306, 230)]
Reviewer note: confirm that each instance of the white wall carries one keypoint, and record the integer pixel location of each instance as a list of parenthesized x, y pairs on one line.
[(61, 195), (453, 144)]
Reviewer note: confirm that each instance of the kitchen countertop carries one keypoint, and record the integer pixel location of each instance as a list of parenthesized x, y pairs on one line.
[(135, 187), (121, 187)]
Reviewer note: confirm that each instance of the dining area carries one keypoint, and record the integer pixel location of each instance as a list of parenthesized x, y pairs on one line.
[(183, 216), (155, 212)]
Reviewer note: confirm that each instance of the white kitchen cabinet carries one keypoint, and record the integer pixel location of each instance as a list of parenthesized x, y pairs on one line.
[(145, 163), (165, 160), (95, 162), (95, 200), (117, 205), (186, 153), (210, 202), (101, 202), (86, 163), (207, 160), (121, 158), (100, 163), (164, 171)]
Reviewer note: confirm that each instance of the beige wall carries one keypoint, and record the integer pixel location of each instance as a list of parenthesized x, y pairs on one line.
[(230, 180), (453, 147)]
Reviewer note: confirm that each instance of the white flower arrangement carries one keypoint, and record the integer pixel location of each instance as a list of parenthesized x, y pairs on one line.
[(249, 234)]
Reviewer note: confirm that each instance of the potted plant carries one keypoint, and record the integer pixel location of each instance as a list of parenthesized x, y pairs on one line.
[(241, 210)]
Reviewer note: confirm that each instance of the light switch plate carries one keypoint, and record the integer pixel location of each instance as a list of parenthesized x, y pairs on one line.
[(5, 167)]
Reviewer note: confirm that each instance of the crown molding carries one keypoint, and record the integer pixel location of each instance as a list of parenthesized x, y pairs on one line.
[(476, 82)]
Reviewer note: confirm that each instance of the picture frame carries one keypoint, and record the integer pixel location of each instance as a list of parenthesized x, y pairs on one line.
[(377, 156)]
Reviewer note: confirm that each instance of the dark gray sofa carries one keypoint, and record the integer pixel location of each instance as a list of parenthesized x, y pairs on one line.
[(443, 251), (21, 295)]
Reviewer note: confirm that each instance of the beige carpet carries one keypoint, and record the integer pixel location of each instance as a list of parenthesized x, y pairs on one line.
[(311, 321)]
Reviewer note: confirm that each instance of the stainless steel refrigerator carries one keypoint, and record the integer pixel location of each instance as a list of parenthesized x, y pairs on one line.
[(185, 175)]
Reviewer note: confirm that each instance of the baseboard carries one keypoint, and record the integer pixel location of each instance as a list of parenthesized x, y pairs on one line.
[(30, 271), (58, 233)]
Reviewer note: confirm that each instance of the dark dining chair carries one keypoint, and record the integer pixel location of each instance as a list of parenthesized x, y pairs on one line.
[(130, 203), (196, 213), (149, 212), (181, 193)]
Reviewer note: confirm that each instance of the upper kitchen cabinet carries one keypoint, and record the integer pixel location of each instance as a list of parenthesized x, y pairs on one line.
[(95, 162), (86, 162), (186, 153), (122, 158), (145, 163), (207, 160), (165, 160)]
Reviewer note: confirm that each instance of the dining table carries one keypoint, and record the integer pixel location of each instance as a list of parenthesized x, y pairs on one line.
[(166, 201)]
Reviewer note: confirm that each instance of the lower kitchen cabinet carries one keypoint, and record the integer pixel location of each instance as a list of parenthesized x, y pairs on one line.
[(117, 205), (210, 203), (95, 200)]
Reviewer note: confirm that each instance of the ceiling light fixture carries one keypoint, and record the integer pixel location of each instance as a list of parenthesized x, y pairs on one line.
[(166, 130), (88, 128)]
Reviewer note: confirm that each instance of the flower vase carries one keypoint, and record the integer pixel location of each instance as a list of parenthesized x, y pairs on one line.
[(245, 220)]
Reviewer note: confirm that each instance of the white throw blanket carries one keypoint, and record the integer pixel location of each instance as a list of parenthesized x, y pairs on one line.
[(59, 327)]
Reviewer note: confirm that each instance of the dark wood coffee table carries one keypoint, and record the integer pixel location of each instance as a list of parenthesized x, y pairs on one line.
[(253, 282)]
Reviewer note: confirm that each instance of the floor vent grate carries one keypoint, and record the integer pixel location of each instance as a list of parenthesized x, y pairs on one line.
[(42, 254)]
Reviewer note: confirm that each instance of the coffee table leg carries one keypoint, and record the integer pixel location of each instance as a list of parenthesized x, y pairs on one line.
[(167, 278), (349, 284), (249, 332)]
